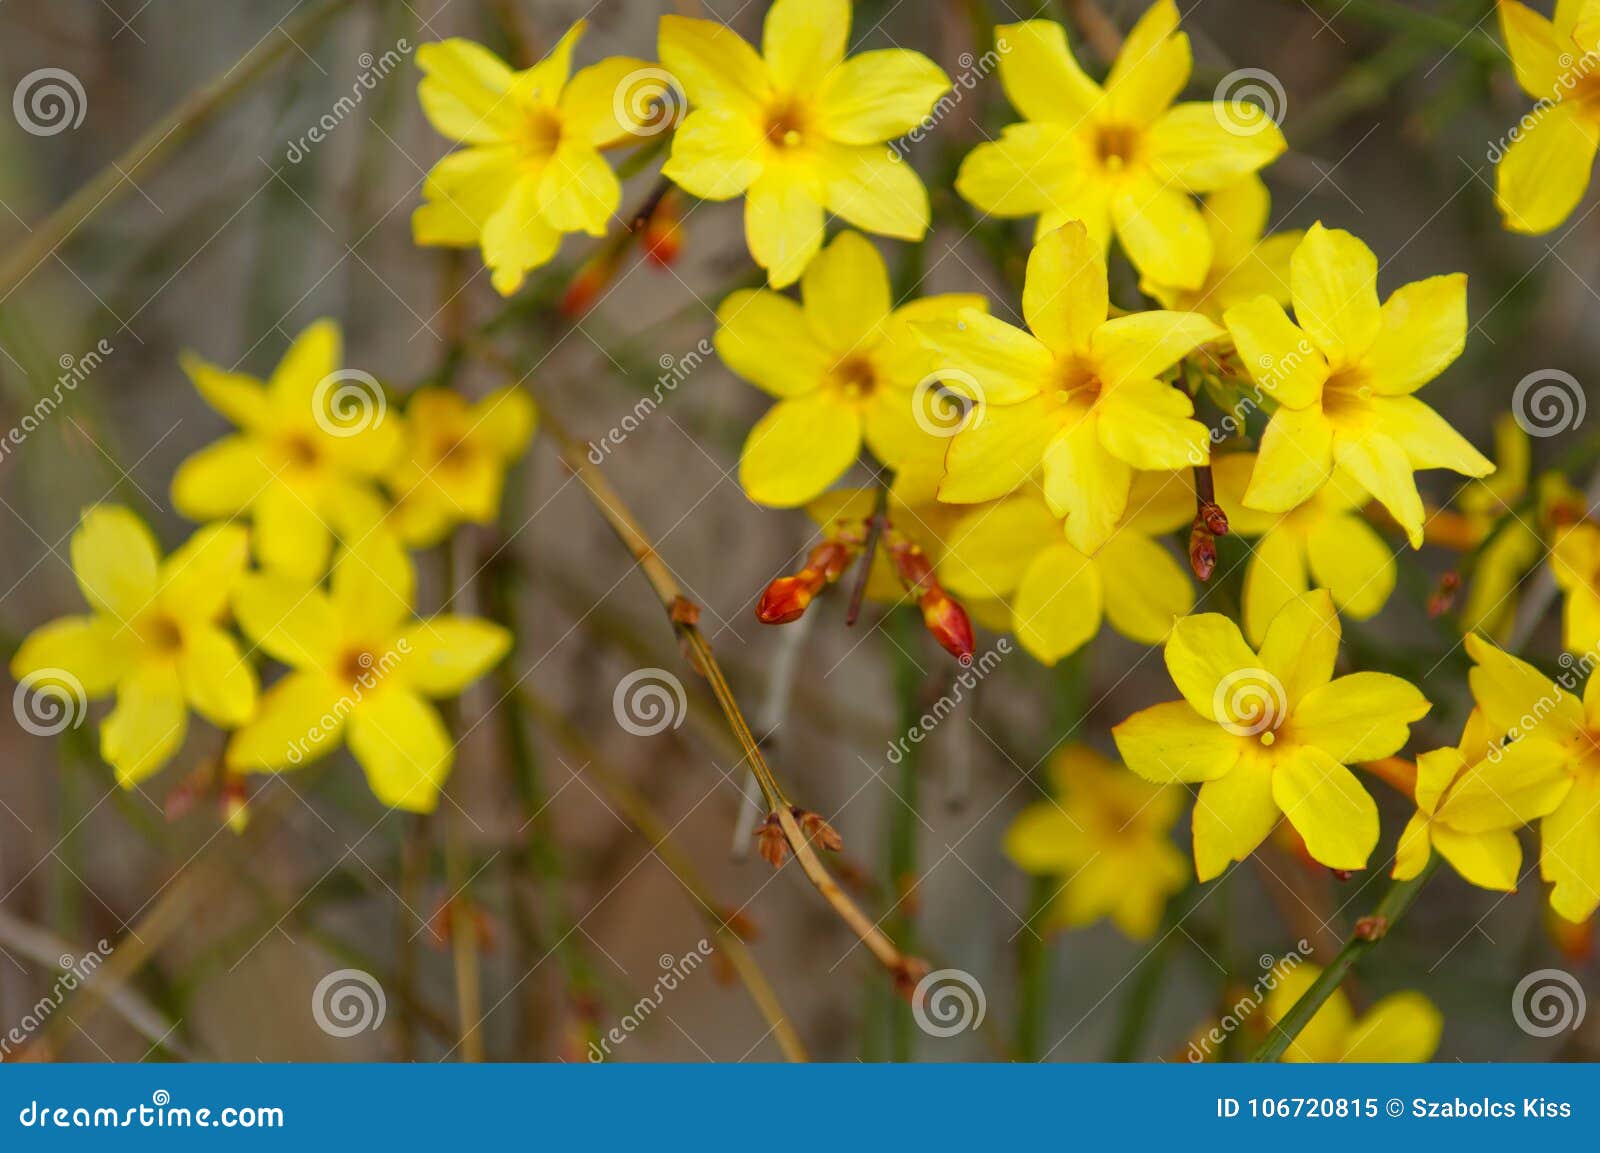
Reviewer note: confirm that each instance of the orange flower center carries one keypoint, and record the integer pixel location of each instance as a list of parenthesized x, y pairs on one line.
[(356, 663), (855, 377), (162, 633), (300, 450), (542, 133), (787, 124), (1116, 145)]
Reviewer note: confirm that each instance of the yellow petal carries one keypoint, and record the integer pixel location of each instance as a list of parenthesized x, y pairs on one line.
[(868, 187), (899, 437), (1511, 786), (1236, 217), (1065, 295), (717, 67), (1149, 425), (619, 97), (220, 480), (1325, 1035), (1203, 650), (290, 537), (803, 40), (465, 92), (461, 193), (504, 420), (764, 338), (716, 155), (1545, 172), (1359, 717), (291, 622), (235, 395), (1335, 281), (1171, 742), (989, 549), (1423, 330), (1023, 172), (1403, 1027), (1086, 484), (115, 560), (1535, 48), (1234, 813), (1273, 577), (300, 719), (1516, 697), (1380, 465), (1427, 438), (1278, 356), (1570, 850), (1160, 501), (1146, 589), (1143, 345), (400, 741), (782, 225), (1039, 74), (1152, 67), (997, 452), (218, 679), (1327, 806), (1162, 231), (578, 192), (1350, 560), (373, 587), (148, 724), (517, 239), (94, 651), (198, 579), (1041, 840), (1057, 606), (1208, 145), (798, 449), (997, 363), (877, 96), (1414, 849), (542, 84), (1302, 644), (846, 293), (1294, 462), (1263, 271), (445, 654)]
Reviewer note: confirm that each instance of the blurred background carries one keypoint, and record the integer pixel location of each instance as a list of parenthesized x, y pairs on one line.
[(242, 231)]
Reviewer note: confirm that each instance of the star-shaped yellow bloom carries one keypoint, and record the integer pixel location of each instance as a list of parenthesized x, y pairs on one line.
[(1471, 800), (1016, 549), (303, 464), (1323, 543), (799, 128), (1342, 375), (1548, 157), (530, 169), (1078, 395), (1270, 733), (1121, 158), (844, 365), (453, 466), (1576, 563), (1108, 835), (361, 670), (1552, 726), (1402, 1027), (153, 636)]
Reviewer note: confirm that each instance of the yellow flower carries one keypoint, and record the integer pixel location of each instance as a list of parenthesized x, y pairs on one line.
[(455, 460), (1079, 394), (1545, 169), (799, 128), (1016, 549), (1108, 834), (844, 364), (1576, 562), (361, 670), (1342, 376), (1324, 543), (1121, 158), (1549, 725), (1471, 800), (153, 637), (1270, 732), (531, 169), (1244, 263), (311, 442), (1402, 1027)]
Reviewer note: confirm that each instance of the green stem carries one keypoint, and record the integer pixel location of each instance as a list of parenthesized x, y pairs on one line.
[(1390, 909), (1033, 970), (901, 861)]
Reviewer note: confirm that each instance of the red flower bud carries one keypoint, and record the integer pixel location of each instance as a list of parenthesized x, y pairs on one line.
[(784, 600), (948, 622)]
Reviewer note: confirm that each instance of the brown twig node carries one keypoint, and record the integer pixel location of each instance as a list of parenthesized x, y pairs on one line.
[(1372, 928), (908, 975)]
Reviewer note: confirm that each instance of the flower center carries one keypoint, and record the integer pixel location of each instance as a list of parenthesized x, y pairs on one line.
[(1116, 145), (787, 124), (162, 633), (455, 453), (300, 450), (855, 377), (355, 664), (1346, 392), (542, 133), (1076, 380)]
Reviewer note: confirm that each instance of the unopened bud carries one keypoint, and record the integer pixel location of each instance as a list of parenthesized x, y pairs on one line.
[(784, 600), (663, 234), (818, 830), (589, 282), (1202, 551), (949, 623), (1443, 598), (770, 841)]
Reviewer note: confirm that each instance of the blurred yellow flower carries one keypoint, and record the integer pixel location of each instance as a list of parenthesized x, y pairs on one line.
[(453, 466), (843, 364), (531, 169), (153, 636), (310, 445), (1324, 543), (1271, 732), (1576, 561), (1342, 375), (1549, 725), (1544, 170), (1108, 835), (361, 670), (1078, 395), (1402, 1027), (1245, 263), (1471, 800), (799, 129), (1121, 158), (1016, 549)]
